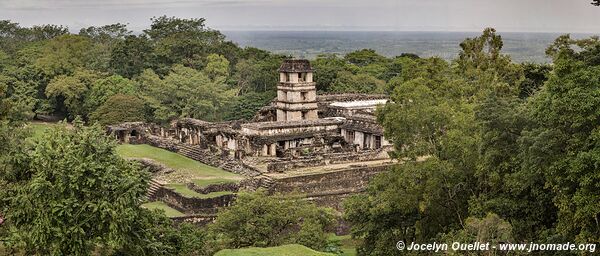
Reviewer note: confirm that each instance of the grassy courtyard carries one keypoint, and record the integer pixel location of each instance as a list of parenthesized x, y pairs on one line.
[(347, 244), (170, 212), (187, 170), (38, 128)]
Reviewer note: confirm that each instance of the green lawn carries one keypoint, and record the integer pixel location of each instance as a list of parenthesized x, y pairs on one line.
[(38, 129), (194, 170), (170, 212), (284, 250), (347, 244), (182, 189)]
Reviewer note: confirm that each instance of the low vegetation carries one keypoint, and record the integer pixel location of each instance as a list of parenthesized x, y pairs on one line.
[(284, 250)]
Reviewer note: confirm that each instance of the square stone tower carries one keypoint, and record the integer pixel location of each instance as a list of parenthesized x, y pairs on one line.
[(296, 92)]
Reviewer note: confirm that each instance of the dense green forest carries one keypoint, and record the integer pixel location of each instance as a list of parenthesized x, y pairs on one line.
[(512, 151), (175, 68), (491, 150)]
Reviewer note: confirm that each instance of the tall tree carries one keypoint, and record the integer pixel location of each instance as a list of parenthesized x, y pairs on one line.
[(70, 91), (74, 194), (120, 108), (185, 92), (64, 54), (131, 56), (481, 62), (183, 41), (563, 142)]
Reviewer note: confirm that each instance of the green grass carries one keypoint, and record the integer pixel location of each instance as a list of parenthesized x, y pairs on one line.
[(39, 129), (206, 182), (347, 244), (284, 250), (170, 212), (182, 189), (176, 161)]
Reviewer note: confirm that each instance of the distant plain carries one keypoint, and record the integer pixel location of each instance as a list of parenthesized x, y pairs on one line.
[(523, 47)]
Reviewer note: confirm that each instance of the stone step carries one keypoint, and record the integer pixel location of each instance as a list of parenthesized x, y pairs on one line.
[(153, 187)]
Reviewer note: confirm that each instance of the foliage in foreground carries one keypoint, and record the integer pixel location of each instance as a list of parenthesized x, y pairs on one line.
[(492, 151), (258, 220), (284, 250), (69, 193)]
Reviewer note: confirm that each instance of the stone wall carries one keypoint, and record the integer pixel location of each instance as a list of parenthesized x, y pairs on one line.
[(153, 166), (197, 219), (231, 187), (334, 158), (190, 205), (350, 180)]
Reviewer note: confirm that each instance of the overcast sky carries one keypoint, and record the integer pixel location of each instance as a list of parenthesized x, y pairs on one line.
[(402, 15)]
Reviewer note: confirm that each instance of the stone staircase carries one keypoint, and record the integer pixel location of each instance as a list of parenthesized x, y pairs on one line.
[(193, 152), (153, 187), (267, 183), (210, 158)]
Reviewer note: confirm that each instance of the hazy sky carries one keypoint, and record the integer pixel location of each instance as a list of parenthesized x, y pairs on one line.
[(403, 15)]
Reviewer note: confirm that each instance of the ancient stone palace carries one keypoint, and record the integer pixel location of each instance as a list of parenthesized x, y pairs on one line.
[(323, 146)]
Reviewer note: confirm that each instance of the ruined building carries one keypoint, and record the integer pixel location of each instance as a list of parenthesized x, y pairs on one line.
[(325, 146)]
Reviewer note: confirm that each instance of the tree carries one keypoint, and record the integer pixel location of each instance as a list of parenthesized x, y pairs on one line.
[(131, 56), (506, 187), (13, 37), (489, 229), (412, 202), (70, 91), (120, 108), (481, 62), (535, 75), (75, 193), (69, 193), (260, 220), (217, 67), (364, 57), (562, 142), (104, 40), (257, 74), (185, 92), (361, 83), (19, 95), (102, 89), (181, 41), (247, 105), (327, 68), (63, 54), (106, 33)]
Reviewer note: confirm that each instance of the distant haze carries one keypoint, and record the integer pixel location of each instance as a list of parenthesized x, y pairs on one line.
[(376, 15), (521, 46)]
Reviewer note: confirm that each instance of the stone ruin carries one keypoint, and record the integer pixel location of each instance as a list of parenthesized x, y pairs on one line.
[(324, 146)]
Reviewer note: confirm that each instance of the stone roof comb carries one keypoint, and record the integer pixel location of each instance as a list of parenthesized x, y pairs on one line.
[(293, 65)]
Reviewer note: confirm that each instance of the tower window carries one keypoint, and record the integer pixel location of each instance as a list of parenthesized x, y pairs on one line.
[(304, 95), (304, 113), (301, 77)]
